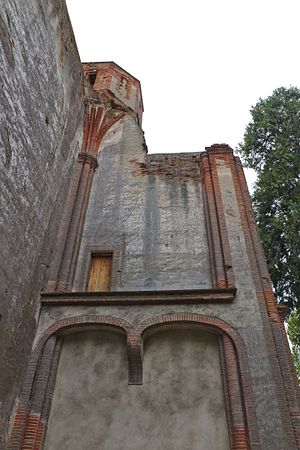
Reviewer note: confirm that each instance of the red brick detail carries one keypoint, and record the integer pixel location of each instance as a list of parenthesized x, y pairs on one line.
[(178, 167), (109, 78), (69, 233), (34, 433), (29, 428), (99, 118), (284, 377), (135, 358), (97, 121), (244, 433), (18, 428), (32, 428), (239, 440), (220, 256), (40, 436)]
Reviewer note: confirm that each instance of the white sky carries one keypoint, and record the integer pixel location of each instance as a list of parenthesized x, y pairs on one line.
[(202, 64)]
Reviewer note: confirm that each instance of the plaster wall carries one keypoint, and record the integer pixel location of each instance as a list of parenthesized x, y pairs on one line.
[(243, 315), (40, 134), (179, 406), (157, 221)]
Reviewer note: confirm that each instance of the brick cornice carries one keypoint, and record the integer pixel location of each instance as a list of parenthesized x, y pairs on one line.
[(190, 296)]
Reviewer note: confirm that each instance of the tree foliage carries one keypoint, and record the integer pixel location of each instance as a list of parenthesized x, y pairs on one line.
[(271, 146), (294, 335)]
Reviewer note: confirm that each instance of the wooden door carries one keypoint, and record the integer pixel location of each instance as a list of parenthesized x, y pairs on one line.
[(100, 273)]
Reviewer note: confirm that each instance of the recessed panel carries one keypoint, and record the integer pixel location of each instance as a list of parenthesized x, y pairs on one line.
[(180, 405)]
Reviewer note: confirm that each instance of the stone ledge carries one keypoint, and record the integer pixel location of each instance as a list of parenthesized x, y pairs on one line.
[(190, 296)]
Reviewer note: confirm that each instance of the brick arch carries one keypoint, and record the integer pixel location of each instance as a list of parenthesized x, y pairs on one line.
[(237, 382), (29, 427), (210, 321)]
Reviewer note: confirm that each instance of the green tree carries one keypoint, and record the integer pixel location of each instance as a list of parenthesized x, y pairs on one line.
[(294, 335), (271, 146)]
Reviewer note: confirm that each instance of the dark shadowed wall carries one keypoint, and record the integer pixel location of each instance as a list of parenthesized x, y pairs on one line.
[(40, 133)]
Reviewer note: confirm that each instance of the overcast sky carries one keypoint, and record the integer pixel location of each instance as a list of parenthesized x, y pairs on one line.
[(202, 64)]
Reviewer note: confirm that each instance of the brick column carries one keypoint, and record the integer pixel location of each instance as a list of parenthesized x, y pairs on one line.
[(67, 247)]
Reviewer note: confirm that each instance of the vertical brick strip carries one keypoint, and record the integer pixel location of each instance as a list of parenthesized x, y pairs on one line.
[(64, 227), (212, 221), (220, 256), (239, 440), (223, 152), (38, 395), (39, 443), (79, 231), (74, 233), (226, 388), (285, 388), (205, 176), (135, 358)]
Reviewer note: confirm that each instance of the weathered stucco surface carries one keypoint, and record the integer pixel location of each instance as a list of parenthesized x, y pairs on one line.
[(157, 221), (243, 314), (179, 406), (40, 133)]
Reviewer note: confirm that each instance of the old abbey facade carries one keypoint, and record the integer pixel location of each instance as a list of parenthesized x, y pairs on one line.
[(157, 327)]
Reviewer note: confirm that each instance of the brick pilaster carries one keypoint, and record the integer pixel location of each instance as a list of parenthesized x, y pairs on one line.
[(220, 257), (286, 389)]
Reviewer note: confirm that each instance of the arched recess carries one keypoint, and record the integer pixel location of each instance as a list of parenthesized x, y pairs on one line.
[(30, 421), (29, 428), (237, 382)]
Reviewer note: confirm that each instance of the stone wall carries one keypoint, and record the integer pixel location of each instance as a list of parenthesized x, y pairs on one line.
[(40, 134)]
